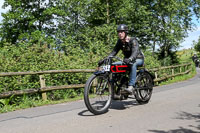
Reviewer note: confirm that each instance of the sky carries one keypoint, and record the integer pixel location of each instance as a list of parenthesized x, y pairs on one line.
[(187, 43), (1, 10), (192, 35)]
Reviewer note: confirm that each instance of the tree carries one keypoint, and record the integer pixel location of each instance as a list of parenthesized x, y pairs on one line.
[(88, 23), (24, 18), (197, 45)]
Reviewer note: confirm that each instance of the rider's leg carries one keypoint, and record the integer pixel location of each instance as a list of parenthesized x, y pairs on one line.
[(138, 62), (132, 76)]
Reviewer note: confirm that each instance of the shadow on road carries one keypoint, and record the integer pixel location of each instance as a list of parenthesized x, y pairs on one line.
[(180, 130), (116, 105), (121, 105), (184, 116)]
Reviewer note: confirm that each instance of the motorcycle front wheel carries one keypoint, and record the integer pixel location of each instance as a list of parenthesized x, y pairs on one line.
[(98, 94)]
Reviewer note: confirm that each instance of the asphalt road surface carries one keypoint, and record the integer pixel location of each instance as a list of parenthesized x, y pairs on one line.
[(173, 108)]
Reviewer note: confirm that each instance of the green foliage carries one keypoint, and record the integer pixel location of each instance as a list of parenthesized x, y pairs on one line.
[(185, 55), (164, 23), (151, 61), (181, 77), (21, 102), (4, 102), (197, 45), (24, 18)]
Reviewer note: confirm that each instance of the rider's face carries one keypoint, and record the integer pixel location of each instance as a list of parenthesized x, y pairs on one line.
[(121, 35)]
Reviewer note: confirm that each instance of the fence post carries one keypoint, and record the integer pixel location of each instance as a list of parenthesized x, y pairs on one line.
[(42, 84), (172, 73), (185, 67), (156, 77), (190, 67)]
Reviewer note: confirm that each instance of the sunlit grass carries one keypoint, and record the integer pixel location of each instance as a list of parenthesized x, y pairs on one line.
[(28, 102), (179, 78)]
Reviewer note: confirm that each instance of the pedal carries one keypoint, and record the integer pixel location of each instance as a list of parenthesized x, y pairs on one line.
[(120, 97), (117, 97), (123, 92)]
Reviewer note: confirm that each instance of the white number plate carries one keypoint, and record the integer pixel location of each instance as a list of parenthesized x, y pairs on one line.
[(106, 68)]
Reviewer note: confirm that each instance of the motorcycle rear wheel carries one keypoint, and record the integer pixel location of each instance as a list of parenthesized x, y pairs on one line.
[(144, 88), (98, 94)]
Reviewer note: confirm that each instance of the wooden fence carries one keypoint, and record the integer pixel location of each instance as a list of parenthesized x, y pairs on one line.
[(161, 74)]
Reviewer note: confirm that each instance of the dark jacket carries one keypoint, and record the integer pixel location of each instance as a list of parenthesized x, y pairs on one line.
[(130, 49), (194, 58)]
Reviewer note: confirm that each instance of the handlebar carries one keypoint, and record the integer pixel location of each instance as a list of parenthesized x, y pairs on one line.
[(118, 58)]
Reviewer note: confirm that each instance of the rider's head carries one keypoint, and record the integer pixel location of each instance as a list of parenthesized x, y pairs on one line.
[(122, 31)]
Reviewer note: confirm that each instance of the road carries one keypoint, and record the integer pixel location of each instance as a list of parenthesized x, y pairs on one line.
[(173, 108)]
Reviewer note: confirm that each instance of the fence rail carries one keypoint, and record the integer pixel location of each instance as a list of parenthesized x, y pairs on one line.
[(159, 76)]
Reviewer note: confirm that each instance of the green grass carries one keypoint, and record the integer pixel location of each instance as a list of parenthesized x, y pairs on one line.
[(179, 78), (28, 102), (185, 56)]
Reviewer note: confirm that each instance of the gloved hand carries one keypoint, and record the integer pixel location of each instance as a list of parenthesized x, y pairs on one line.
[(102, 61), (127, 60)]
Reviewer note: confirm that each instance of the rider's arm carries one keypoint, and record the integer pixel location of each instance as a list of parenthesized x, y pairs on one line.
[(135, 49), (115, 50)]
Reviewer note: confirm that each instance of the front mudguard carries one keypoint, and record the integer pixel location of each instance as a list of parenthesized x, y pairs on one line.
[(99, 72)]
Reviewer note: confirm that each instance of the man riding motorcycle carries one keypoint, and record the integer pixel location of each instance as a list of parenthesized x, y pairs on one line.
[(196, 60), (132, 54)]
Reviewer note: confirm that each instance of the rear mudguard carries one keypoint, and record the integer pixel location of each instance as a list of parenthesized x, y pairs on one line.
[(146, 71)]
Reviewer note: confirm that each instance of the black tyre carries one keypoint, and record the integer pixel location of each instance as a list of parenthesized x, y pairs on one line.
[(144, 87), (97, 94)]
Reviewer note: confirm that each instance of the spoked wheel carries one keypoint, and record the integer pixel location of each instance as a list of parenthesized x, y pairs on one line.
[(97, 94), (144, 88)]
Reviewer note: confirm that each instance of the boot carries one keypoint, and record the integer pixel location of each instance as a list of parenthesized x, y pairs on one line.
[(130, 89)]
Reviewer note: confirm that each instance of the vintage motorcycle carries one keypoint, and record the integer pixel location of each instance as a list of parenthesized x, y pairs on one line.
[(108, 83)]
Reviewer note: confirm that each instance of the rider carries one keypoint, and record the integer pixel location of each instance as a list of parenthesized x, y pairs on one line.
[(132, 54), (194, 57)]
